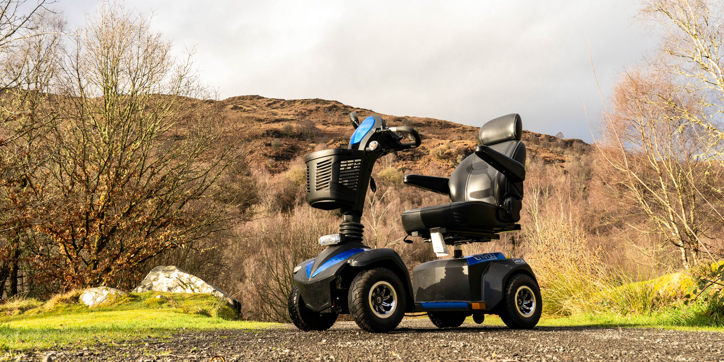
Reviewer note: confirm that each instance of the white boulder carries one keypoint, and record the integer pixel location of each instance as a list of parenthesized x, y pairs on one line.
[(174, 280), (93, 297)]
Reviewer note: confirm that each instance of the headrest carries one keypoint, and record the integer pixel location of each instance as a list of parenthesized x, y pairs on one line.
[(505, 128)]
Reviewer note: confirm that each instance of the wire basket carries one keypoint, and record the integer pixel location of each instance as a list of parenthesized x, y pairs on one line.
[(336, 178)]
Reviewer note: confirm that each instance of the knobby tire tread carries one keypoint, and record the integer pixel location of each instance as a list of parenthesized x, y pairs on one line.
[(358, 301), (304, 318), (509, 313)]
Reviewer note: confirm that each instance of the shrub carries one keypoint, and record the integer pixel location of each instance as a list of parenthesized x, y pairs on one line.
[(237, 188), (307, 130), (442, 152), (709, 289), (282, 241), (390, 176), (570, 275)]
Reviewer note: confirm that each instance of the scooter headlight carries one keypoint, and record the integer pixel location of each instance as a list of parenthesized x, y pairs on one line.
[(331, 239)]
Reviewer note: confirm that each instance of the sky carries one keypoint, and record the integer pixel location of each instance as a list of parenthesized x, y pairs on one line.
[(461, 61)]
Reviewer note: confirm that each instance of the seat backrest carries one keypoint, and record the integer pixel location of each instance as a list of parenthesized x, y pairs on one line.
[(475, 180)]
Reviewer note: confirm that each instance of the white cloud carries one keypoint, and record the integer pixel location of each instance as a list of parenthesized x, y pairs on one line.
[(464, 61)]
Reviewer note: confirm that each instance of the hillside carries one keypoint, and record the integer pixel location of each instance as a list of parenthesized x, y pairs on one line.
[(277, 131)]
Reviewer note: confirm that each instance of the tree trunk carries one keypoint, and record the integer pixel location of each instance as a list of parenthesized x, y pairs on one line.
[(13, 278), (684, 257), (4, 273)]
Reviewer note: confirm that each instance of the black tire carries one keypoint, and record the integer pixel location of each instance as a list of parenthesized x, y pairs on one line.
[(377, 300), (521, 305), (305, 318), (447, 319)]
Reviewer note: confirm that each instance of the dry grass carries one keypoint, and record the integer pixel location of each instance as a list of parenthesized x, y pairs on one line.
[(19, 305), (58, 300), (569, 273)]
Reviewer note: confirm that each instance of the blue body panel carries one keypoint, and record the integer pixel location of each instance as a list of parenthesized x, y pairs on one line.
[(334, 261), (444, 305)]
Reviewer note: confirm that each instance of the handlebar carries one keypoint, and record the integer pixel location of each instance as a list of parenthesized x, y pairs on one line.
[(373, 134), (411, 131), (353, 118)]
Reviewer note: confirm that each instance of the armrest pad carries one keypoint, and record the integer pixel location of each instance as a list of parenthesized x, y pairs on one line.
[(506, 165), (434, 184)]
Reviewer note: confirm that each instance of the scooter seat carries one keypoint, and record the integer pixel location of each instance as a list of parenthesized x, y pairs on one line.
[(470, 216), (486, 188)]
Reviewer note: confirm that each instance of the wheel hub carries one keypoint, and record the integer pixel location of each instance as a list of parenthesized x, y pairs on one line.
[(383, 299), (525, 301)]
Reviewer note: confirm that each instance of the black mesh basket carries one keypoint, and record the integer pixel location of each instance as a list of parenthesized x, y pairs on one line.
[(336, 178)]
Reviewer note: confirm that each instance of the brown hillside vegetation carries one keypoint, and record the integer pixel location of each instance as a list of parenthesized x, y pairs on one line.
[(574, 217), (276, 131)]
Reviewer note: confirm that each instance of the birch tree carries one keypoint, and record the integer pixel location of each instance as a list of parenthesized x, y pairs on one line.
[(666, 127)]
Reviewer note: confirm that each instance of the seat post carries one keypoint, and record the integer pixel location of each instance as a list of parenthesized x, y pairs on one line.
[(438, 242), (458, 253)]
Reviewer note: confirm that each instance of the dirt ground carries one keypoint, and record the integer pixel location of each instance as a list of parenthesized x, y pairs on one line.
[(415, 339)]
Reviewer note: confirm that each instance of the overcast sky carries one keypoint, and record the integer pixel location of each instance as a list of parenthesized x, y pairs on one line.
[(462, 61)]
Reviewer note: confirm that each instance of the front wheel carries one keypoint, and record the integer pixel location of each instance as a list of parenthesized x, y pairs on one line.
[(521, 305), (305, 318), (377, 300)]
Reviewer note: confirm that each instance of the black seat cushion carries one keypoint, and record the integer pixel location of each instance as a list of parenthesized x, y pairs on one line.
[(462, 215)]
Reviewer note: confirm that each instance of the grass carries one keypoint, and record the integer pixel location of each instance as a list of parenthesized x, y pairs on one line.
[(679, 318), (675, 318), (64, 322)]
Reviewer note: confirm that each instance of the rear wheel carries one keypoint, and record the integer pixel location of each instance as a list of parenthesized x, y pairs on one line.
[(521, 305), (447, 319), (305, 318), (377, 300)]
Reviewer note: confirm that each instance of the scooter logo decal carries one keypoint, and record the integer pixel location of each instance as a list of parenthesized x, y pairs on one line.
[(481, 258), (337, 259)]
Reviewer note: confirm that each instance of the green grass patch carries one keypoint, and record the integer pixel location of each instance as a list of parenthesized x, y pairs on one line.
[(689, 318), (680, 318), (63, 321), (656, 303)]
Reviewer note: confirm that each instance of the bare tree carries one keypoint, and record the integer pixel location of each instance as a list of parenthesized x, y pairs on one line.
[(666, 125), (16, 24), (28, 63), (129, 153), (658, 158), (692, 53)]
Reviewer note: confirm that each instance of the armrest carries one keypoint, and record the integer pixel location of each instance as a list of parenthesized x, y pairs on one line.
[(506, 165), (431, 183)]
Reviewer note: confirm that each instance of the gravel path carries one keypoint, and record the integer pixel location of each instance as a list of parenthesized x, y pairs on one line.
[(415, 339)]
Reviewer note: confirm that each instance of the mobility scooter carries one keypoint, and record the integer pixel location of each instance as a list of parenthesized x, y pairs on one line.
[(373, 285)]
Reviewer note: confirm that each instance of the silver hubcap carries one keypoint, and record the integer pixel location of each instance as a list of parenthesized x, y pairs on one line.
[(525, 301), (382, 299)]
